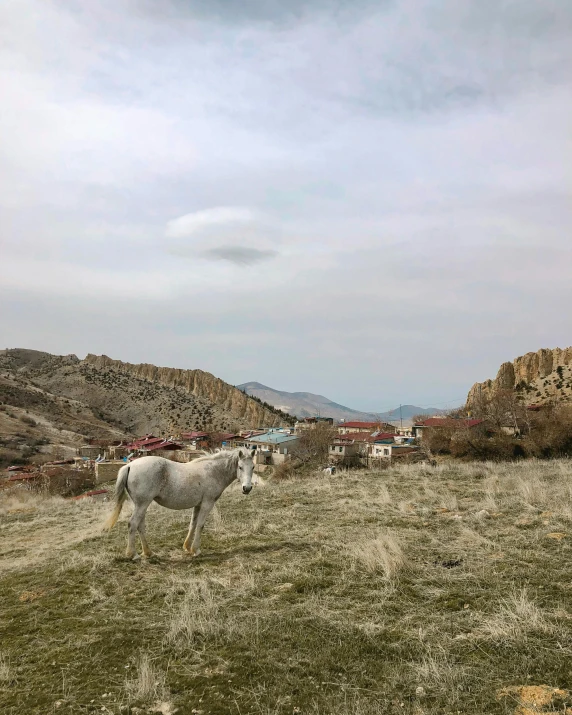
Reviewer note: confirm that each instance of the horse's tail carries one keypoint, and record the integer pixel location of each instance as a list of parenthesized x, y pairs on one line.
[(120, 497)]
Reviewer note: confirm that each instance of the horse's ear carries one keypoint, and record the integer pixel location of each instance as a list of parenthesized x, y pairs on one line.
[(253, 453), (241, 454)]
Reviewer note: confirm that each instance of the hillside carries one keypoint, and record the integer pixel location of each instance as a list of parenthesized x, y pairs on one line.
[(64, 399), (539, 377), (413, 592), (306, 404)]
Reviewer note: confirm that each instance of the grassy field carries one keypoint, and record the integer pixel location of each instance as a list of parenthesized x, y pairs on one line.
[(415, 590)]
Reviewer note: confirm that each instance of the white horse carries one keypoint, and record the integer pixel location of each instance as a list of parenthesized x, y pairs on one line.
[(197, 484)]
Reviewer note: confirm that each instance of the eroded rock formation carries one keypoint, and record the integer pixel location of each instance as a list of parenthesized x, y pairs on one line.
[(235, 403), (530, 370)]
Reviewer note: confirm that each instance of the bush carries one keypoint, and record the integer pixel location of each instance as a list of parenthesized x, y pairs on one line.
[(313, 445), (438, 441), (286, 470), (28, 421), (499, 447), (550, 433)]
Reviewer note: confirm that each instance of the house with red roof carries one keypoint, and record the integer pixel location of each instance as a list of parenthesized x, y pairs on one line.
[(448, 423), (367, 427)]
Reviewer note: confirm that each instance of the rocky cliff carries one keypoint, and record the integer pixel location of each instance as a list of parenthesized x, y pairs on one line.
[(541, 376), (104, 398), (240, 408)]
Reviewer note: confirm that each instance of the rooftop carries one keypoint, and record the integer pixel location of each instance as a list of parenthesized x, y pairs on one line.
[(272, 438), (363, 437), (448, 422), (361, 425), (163, 444)]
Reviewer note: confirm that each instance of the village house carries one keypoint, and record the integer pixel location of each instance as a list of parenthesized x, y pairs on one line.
[(344, 451), (274, 447), (350, 447), (391, 451), (195, 439), (151, 445), (448, 423), (164, 448), (365, 427), (307, 423)]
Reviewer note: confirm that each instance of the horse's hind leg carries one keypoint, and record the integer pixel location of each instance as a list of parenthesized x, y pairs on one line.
[(144, 544), (134, 526), (192, 528)]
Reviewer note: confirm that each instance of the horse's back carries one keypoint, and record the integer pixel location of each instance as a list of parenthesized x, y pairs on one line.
[(147, 475), (168, 483)]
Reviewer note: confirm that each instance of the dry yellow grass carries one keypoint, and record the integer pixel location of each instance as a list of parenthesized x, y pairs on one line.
[(148, 685), (361, 593), (5, 670), (383, 553)]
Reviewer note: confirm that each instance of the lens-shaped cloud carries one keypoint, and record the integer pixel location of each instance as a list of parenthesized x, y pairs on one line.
[(236, 234)]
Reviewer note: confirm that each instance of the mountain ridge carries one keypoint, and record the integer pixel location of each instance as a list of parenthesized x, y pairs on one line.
[(308, 404)]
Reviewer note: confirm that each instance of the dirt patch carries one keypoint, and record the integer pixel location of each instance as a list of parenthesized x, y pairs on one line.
[(533, 699)]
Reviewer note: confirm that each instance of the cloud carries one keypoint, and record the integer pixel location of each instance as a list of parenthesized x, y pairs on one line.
[(240, 255), (235, 234), (202, 222)]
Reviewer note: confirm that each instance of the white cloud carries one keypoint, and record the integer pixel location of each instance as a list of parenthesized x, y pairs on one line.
[(236, 234), (200, 222)]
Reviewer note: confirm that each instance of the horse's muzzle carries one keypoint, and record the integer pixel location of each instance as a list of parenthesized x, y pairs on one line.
[(246, 490)]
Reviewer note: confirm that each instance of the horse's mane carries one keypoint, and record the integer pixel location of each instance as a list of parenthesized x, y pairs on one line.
[(227, 454)]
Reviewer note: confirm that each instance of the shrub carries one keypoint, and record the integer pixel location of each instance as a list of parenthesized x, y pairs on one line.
[(313, 445), (28, 421), (499, 447), (438, 441), (551, 433)]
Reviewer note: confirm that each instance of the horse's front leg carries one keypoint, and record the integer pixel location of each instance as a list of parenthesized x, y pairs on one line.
[(204, 510), (144, 544), (192, 528)]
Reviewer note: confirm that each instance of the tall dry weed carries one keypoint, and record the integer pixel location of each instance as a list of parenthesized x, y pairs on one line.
[(6, 675), (437, 671), (516, 616), (532, 491), (148, 685), (383, 554), (198, 614)]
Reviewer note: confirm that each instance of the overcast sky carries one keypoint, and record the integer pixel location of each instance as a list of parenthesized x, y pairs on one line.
[(369, 200)]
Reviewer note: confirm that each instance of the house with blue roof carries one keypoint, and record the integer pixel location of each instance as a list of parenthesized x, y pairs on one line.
[(273, 447)]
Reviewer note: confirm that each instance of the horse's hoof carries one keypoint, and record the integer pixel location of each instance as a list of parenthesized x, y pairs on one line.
[(137, 557), (194, 553)]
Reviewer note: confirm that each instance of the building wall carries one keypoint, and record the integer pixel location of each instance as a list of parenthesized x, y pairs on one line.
[(381, 450), (270, 458), (107, 471), (90, 451)]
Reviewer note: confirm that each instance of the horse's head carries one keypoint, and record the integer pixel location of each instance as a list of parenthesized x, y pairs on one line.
[(245, 469)]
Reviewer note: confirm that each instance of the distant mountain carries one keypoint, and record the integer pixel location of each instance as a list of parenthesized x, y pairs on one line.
[(306, 404)]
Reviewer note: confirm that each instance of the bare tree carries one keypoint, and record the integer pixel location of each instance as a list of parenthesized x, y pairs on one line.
[(314, 444)]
